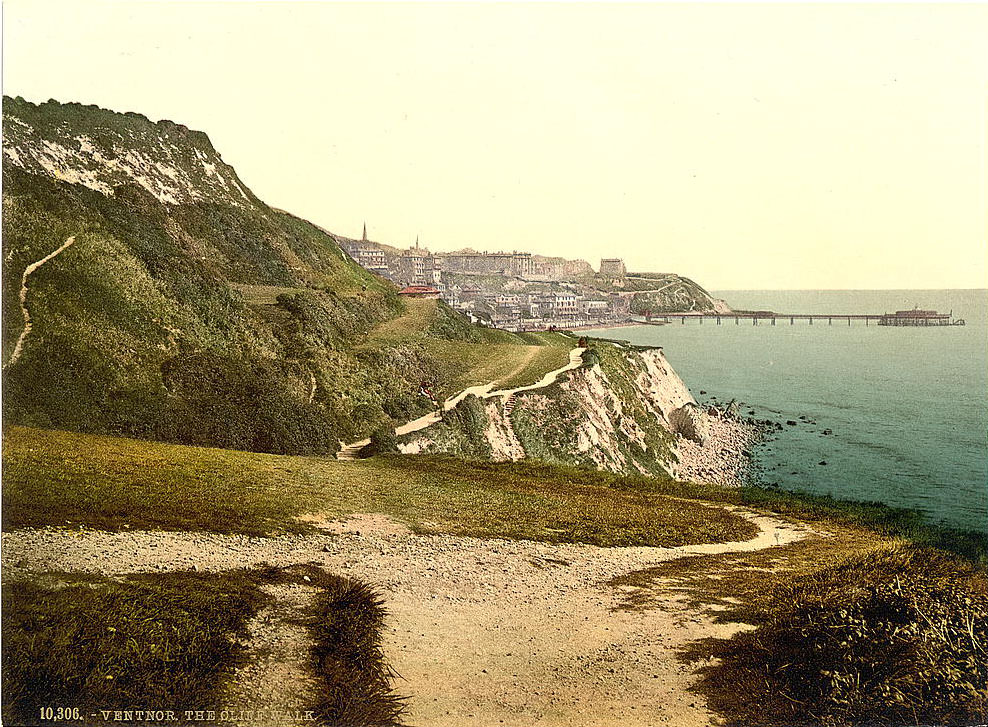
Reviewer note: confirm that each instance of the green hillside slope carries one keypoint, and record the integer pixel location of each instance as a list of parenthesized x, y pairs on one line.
[(185, 309)]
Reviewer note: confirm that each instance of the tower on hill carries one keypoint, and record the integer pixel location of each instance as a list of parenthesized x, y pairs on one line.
[(613, 268)]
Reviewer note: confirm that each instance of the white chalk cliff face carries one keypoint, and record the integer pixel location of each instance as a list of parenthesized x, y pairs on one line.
[(662, 389), (625, 414), (174, 164), (615, 415)]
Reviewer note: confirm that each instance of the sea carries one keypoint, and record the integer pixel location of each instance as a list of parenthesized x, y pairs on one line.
[(907, 408)]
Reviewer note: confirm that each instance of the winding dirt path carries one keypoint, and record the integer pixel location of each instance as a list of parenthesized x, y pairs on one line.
[(18, 347), (483, 632), (483, 391)]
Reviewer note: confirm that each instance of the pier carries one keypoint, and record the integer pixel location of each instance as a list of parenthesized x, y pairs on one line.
[(920, 318)]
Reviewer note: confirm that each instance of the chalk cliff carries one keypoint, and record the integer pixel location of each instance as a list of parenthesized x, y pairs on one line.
[(622, 411)]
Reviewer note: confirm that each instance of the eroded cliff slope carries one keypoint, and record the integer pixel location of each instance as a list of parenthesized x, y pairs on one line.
[(623, 410)]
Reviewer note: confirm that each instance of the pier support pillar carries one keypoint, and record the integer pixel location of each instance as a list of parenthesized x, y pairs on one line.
[(830, 321), (791, 320), (773, 320), (736, 321), (849, 320), (682, 320), (718, 320)]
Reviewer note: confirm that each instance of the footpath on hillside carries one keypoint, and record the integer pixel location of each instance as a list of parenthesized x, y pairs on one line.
[(482, 631), (25, 313), (483, 391)]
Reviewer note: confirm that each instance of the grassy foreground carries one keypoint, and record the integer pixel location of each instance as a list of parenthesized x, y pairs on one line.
[(70, 479), (84, 643), (169, 643), (852, 629)]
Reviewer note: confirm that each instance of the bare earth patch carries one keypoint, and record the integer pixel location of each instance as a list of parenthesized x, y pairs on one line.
[(278, 673), (483, 632)]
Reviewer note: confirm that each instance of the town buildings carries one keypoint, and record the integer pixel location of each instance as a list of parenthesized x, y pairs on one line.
[(512, 290)]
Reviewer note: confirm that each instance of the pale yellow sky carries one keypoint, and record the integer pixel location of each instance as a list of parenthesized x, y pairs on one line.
[(745, 146)]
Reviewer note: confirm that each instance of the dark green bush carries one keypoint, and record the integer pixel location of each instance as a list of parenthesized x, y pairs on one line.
[(453, 326), (899, 636), (242, 404), (590, 357), (382, 441)]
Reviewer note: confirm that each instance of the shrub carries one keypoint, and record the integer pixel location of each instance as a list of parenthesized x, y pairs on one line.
[(452, 326), (238, 403), (897, 636), (590, 358), (469, 418), (349, 657), (382, 441)]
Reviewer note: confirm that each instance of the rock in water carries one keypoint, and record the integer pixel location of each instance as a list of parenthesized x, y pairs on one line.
[(692, 422)]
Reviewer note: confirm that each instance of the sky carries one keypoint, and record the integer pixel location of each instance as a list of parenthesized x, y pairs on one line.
[(776, 146)]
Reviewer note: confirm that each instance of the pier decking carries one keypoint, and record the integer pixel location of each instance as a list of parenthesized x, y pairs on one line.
[(899, 318)]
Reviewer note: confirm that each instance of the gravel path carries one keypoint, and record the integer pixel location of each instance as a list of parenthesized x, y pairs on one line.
[(483, 632), (483, 391), (18, 347), (277, 674)]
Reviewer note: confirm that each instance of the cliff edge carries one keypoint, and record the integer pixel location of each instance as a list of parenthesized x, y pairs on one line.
[(624, 410)]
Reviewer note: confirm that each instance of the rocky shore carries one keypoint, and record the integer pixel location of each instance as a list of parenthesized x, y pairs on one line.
[(724, 457)]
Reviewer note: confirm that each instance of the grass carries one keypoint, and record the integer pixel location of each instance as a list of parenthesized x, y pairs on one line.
[(263, 294), (738, 586), (62, 478), (162, 641), (852, 628), (893, 635), (475, 355), (347, 624), (890, 522), (169, 642), (507, 364)]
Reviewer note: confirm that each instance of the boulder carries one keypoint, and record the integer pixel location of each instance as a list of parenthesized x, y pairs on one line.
[(691, 422)]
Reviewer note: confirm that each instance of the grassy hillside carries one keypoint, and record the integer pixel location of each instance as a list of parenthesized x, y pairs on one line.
[(657, 292), (115, 483), (187, 310), (474, 355)]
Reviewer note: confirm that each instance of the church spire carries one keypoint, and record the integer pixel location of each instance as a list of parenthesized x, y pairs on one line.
[(364, 238)]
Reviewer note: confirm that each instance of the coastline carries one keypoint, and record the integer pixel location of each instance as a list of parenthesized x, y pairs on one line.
[(590, 327), (725, 458)]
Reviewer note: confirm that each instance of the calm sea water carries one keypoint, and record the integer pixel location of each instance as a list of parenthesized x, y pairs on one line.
[(908, 407)]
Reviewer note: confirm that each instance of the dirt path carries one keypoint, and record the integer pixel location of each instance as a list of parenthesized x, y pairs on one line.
[(350, 451), (24, 311), (277, 671), (483, 632)]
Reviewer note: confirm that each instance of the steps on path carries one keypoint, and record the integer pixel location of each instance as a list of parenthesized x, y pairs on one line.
[(509, 404), (351, 452)]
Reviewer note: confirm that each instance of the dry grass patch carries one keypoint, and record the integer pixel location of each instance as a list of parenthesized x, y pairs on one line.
[(68, 479)]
